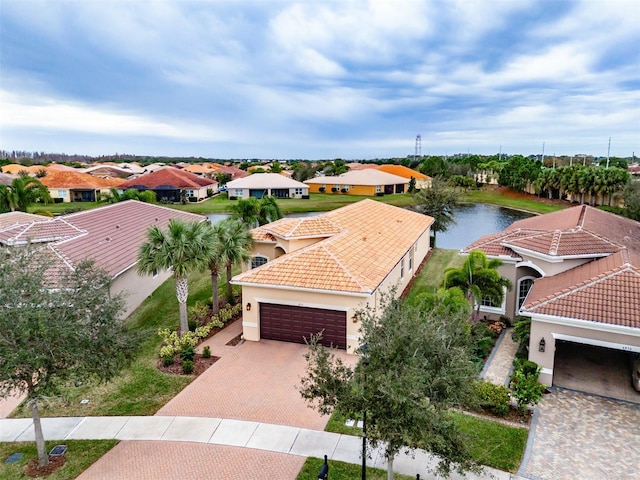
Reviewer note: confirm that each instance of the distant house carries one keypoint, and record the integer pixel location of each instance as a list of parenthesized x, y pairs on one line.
[(108, 171), (110, 235), (74, 186), (260, 184), (422, 180), (11, 219), (232, 170), (314, 274), (171, 184), (368, 181), (576, 273)]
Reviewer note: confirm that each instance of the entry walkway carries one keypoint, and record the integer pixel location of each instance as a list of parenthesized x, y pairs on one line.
[(260, 436), (498, 366)]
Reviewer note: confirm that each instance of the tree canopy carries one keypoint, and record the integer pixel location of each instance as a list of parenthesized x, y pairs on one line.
[(22, 192), (418, 365), (519, 172), (440, 202), (48, 335)]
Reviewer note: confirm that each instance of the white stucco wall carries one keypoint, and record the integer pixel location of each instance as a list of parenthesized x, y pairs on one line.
[(137, 288)]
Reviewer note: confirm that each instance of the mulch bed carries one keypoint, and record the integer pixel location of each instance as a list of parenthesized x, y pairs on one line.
[(34, 470), (200, 364), (512, 418)]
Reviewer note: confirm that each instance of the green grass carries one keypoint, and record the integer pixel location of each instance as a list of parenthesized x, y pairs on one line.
[(79, 456), (530, 204), (62, 208), (432, 274), (492, 444), (342, 471), (140, 389)]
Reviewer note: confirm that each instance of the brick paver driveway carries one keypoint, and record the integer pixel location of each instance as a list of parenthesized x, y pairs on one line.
[(585, 436), (254, 381)]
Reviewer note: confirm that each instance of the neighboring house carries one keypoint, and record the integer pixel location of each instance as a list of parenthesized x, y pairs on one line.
[(169, 183), (200, 170), (576, 273), (17, 169), (11, 219), (232, 170), (75, 186), (108, 171), (422, 180), (368, 181), (110, 235), (260, 184), (314, 274)]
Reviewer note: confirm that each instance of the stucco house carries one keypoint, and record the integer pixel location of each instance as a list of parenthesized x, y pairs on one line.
[(110, 235), (313, 274), (170, 184), (368, 181), (74, 186), (260, 184), (576, 273), (422, 180)]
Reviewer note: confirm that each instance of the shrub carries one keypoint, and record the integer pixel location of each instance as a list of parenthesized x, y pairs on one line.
[(494, 398), (483, 340), (322, 189), (193, 199), (187, 354), (524, 384), (187, 367), (206, 352), (334, 189), (344, 190), (506, 320), (192, 325), (521, 330), (166, 361)]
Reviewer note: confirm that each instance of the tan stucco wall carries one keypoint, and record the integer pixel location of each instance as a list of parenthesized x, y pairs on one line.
[(369, 190), (328, 300), (626, 339), (136, 288), (246, 192), (56, 192)]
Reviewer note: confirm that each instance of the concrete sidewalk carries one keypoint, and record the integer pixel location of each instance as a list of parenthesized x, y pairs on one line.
[(261, 436)]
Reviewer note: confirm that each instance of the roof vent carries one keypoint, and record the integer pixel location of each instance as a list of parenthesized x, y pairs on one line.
[(117, 227), (108, 239)]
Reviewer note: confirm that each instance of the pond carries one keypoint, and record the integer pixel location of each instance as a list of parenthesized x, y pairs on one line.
[(472, 222), (475, 220)]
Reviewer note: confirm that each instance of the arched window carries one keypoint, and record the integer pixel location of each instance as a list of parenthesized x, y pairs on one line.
[(524, 285), (258, 260)]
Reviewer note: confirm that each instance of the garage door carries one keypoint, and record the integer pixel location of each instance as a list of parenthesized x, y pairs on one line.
[(293, 324)]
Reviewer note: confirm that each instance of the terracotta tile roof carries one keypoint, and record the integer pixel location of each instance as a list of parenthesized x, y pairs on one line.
[(235, 172), (402, 171), (168, 178), (564, 244), (110, 235), (16, 168), (373, 238), (44, 231), (197, 168), (307, 227), (367, 176), (604, 291), (79, 180), (12, 219), (61, 168)]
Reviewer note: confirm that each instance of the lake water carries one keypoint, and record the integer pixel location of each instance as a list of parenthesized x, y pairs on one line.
[(476, 220), (472, 222)]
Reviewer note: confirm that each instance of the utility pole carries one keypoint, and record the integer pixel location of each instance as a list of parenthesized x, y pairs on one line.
[(500, 154), (542, 153), (608, 151)]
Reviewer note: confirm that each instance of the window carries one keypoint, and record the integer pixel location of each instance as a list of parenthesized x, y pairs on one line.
[(411, 259), (155, 273), (239, 192), (524, 285), (486, 305), (190, 193), (402, 268), (298, 191), (378, 189), (345, 187), (258, 260), (62, 193)]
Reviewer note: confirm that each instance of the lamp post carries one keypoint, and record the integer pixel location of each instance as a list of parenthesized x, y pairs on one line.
[(365, 359)]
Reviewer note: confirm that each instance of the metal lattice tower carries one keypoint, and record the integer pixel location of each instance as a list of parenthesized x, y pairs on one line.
[(418, 146)]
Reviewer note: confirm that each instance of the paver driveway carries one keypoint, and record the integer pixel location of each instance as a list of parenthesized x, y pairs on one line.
[(254, 381), (585, 436)]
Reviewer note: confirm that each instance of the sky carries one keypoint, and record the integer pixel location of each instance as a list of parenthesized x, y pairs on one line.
[(320, 79)]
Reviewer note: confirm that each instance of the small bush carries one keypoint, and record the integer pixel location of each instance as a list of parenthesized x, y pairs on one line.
[(167, 360), (187, 367), (494, 398), (193, 324), (506, 320), (521, 330), (526, 366), (188, 353), (526, 389), (206, 352), (322, 189), (334, 189)]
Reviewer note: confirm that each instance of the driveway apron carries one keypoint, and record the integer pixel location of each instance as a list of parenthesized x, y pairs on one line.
[(584, 436)]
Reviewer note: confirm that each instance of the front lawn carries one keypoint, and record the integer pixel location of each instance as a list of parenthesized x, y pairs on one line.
[(140, 389), (432, 274), (490, 443), (343, 471), (79, 456)]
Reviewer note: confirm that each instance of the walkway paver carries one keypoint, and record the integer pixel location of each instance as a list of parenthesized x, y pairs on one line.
[(584, 436), (499, 363)]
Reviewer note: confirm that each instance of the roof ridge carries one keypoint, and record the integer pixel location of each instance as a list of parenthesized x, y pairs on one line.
[(344, 269), (585, 284), (62, 257), (555, 242)]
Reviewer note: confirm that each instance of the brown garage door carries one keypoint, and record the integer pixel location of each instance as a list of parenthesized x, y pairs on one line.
[(293, 324)]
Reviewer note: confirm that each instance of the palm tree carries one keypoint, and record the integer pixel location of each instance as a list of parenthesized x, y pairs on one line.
[(216, 260), (235, 247), (269, 210), (440, 202), (479, 279), (23, 191), (247, 210), (184, 248)]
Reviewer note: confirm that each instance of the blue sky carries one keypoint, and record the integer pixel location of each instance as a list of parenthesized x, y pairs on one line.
[(320, 79)]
